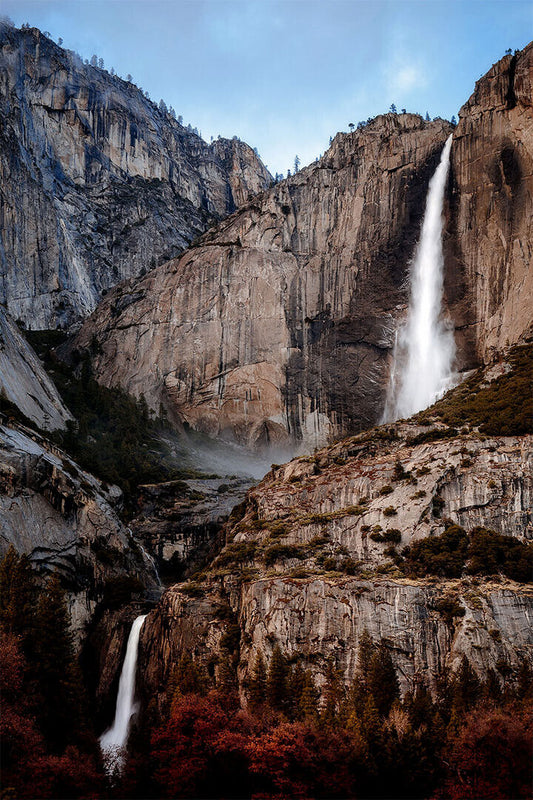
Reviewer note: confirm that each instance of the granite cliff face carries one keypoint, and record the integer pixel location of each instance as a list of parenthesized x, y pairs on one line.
[(490, 227), (24, 382), (62, 517), (321, 553), (285, 312), (98, 183)]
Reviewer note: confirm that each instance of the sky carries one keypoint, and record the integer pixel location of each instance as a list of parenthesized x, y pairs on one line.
[(285, 75)]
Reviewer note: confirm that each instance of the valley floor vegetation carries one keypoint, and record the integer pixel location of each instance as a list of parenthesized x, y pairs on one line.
[(468, 738)]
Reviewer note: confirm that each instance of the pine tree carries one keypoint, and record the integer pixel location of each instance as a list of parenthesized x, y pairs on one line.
[(227, 677), (308, 704), (186, 678), (17, 594), (491, 689), (60, 683), (276, 683), (295, 686), (383, 682), (257, 692), (466, 688), (365, 653), (332, 693), (524, 688)]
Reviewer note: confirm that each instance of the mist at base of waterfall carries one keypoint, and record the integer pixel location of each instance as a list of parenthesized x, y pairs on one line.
[(424, 352)]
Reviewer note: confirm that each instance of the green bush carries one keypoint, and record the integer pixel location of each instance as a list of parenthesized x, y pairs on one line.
[(442, 555), (393, 535), (236, 553), (482, 552), (490, 553), (279, 551)]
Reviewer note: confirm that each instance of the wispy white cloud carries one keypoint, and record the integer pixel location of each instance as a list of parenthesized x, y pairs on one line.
[(408, 78)]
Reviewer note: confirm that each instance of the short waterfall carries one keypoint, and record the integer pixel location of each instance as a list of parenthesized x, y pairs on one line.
[(116, 737), (424, 348)]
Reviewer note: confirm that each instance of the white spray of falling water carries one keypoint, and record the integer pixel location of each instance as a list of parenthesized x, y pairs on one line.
[(116, 737), (424, 350)]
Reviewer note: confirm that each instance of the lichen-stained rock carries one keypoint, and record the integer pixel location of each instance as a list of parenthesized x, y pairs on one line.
[(98, 184), (490, 229), (276, 326), (24, 382), (356, 488), (180, 625), (320, 550), (62, 519), (321, 618)]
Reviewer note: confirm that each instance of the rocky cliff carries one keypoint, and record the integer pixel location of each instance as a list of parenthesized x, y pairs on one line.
[(24, 382), (62, 517), (285, 313), (98, 183), (490, 226), (330, 545)]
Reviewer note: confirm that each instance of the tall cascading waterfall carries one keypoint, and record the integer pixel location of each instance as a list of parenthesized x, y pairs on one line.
[(115, 738), (424, 348)]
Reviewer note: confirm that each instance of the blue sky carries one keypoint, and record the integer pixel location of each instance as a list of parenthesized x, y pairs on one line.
[(285, 75)]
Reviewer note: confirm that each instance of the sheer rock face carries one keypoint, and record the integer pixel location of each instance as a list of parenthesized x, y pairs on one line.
[(24, 382), (98, 183), (276, 326), (62, 518), (329, 506), (314, 619), (490, 229)]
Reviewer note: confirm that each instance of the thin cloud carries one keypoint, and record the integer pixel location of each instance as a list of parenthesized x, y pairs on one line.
[(408, 78)]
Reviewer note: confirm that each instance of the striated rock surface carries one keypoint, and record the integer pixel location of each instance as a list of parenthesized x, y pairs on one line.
[(62, 518), (321, 551), (24, 382), (98, 183), (285, 313), (315, 619), (276, 326), (490, 227)]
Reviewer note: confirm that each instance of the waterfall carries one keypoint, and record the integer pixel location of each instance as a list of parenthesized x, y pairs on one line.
[(116, 737), (424, 346)]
